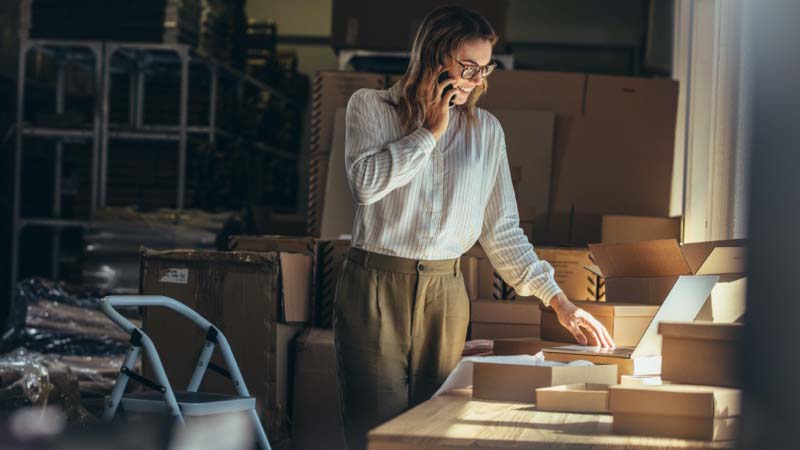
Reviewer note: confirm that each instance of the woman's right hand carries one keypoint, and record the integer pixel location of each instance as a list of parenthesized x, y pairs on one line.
[(437, 115)]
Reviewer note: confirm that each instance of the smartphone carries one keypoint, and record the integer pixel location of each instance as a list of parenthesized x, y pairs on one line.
[(447, 88)]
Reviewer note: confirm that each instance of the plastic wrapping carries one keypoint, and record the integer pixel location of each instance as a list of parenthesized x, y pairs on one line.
[(32, 379), (44, 318)]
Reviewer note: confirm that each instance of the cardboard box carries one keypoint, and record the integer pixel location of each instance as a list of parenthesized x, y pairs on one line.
[(631, 380), (239, 293), (489, 330), (316, 415), (577, 398), (328, 259), (642, 272), (506, 311), (620, 117), (480, 278), (617, 229), (491, 319), (529, 135), (679, 411), (360, 24), (727, 303), (626, 322), (522, 346), (331, 91), (701, 353), (570, 271), (296, 257), (338, 209), (681, 304), (518, 382)]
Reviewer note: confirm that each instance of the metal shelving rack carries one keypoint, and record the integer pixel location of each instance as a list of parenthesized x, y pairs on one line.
[(102, 131)]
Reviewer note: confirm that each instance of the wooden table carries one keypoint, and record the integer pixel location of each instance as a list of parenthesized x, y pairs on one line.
[(456, 421)]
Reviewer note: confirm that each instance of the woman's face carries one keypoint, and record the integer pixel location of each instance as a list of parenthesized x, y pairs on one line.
[(477, 52)]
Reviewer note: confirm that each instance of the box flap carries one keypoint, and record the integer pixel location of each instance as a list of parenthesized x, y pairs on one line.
[(730, 257), (595, 269), (681, 305), (702, 330), (676, 400), (295, 279), (272, 243), (657, 258)]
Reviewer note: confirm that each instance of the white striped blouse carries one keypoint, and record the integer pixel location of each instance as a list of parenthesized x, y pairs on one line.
[(422, 199)]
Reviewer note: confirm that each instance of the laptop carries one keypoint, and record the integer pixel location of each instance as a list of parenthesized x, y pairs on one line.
[(682, 304)]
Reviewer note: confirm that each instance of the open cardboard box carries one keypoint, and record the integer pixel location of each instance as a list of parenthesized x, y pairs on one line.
[(617, 228), (682, 303), (644, 272), (626, 322), (578, 398), (518, 382), (701, 353), (680, 411)]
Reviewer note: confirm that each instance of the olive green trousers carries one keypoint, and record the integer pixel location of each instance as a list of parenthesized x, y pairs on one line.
[(399, 326)]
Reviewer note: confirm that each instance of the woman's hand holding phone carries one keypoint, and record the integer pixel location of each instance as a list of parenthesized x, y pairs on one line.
[(437, 115)]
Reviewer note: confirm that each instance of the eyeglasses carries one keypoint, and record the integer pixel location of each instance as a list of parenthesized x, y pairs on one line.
[(469, 71)]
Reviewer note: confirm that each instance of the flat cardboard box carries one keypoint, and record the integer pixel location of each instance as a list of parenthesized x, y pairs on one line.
[(522, 346), (620, 117), (701, 353), (361, 24), (506, 311), (626, 322), (518, 382), (331, 91), (577, 398), (682, 304), (529, 135), (672, 410), (489, 330), (617, 229), (238, 293), (338, 210), (316, 415), (570, 271), (480, 278)]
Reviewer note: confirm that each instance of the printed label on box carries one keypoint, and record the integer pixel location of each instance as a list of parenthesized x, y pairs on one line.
[(176, 276)]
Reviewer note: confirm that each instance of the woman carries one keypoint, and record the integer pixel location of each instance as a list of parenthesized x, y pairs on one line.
[(429, 180)]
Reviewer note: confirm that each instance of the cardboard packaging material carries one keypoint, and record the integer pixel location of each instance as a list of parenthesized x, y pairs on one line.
[(680, 411), (332, 90), (328, 257), (296, 257), (642, 272), (570, 271), (491, 319), (681, 304), (701, 353), (578, 398), (726, 303), (338, 210), (360, 24), (487, 330), (617, 229), (626, 322), (630, 380), (522, 346), (518, 382), (480, 278), (529, 135), (239, 293), (316, 415)]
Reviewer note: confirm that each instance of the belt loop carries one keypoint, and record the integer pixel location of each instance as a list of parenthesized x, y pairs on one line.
[(365, 260), (456, 267)]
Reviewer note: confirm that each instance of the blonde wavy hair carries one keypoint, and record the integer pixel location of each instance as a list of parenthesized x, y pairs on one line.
[(439, 37)]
